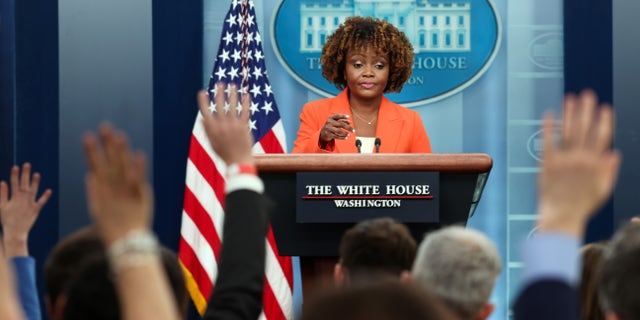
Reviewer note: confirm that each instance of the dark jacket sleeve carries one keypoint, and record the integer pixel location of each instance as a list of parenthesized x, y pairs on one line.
[(547, 299), (237, 292)]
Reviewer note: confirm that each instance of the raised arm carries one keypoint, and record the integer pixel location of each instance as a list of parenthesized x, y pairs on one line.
[(121, 203), (9, 305), (577, 175), (238, 289), (19, 208)]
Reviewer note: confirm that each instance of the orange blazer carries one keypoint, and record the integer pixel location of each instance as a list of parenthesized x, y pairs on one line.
[(400, 129)]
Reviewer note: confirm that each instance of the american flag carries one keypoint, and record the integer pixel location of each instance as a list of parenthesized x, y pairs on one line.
[(240, 60)]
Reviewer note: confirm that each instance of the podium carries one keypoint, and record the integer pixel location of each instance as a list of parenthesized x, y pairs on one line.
[(461, 179)]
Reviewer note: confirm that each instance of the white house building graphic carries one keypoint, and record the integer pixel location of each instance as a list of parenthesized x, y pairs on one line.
[(455, 41), (431, 26)]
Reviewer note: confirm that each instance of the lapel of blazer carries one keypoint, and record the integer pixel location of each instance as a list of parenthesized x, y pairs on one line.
[(340, 104), (389, 128)]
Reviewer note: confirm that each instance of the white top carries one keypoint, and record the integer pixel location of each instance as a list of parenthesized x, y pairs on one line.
[(368, 144)]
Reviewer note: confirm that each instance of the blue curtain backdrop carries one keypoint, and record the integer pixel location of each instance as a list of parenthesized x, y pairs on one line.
[(177, 65), (29, 107), (588, 63)]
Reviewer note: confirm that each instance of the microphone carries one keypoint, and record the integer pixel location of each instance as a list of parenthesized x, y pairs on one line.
[(358, 144), (377, 145)]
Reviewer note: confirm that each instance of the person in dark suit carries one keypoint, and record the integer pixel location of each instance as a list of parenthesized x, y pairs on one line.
[(576, 178)]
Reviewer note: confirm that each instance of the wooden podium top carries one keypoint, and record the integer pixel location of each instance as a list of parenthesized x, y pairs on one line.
[(442, 162)]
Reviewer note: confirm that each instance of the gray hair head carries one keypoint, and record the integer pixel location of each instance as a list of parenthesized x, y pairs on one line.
[(460, 266), (625, 239), (619, 279)]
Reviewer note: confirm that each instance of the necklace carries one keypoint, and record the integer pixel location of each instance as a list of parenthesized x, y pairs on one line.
[(365, 120)]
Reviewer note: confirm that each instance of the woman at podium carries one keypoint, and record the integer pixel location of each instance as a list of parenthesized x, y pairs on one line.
[(365, 58)]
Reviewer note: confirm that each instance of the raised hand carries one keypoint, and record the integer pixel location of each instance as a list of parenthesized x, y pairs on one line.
[(19, 211), (578, 175), (119, 195), (337, 126), (228, 132)]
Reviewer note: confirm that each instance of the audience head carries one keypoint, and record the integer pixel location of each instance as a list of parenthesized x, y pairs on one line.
[(460, 266), (381, 300), (361, 33), (592, 255), (64, 262), (619, 281), (76, 273), (92, 294), (374, 248)]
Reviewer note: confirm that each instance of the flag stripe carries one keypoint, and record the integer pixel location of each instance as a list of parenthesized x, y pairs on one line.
[(201, 135), (270, 142), (200, 247), (206, 196), (207, 168), (284, 262), (189, 258), (270, 304), (278, 131), (279, 290), (202, 222)]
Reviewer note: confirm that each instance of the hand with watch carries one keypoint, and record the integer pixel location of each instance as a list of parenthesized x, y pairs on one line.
[(120, 200), (241, 168)]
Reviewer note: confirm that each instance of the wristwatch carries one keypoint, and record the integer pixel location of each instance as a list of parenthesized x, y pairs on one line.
[(241, 168)]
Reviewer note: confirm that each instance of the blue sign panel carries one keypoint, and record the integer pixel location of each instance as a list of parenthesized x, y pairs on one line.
[(336, 197), (454, 41)]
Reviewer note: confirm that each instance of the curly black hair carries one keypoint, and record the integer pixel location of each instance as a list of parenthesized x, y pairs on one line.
[(362, 32)]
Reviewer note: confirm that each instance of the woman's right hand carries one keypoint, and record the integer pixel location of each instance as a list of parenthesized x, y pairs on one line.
[(337, 126)]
